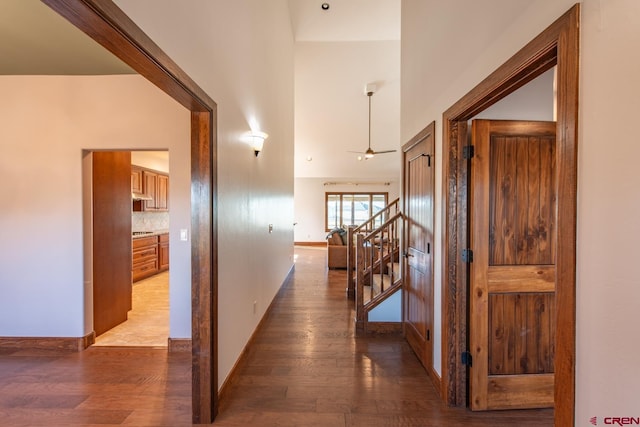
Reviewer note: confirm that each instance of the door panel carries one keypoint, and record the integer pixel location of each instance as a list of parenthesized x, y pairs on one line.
[(418, 182), (111, 189), (512, 276)]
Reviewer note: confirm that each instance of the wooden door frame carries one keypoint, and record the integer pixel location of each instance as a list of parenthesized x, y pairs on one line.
[(104, 22), (557, 45)]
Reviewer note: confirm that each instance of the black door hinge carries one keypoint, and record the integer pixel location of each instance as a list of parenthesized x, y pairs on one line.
[(468, 152), (467, 255), (466, 358)]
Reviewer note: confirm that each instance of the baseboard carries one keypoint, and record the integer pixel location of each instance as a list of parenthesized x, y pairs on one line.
[(65, 344), (179, 345), (436, 380), (243, 354), (310, 243), (383, 328)]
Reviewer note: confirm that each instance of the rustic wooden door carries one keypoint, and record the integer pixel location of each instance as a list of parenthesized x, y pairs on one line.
[(418, 186), (512, 274)]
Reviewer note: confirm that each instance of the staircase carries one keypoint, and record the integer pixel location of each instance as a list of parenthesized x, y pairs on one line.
[(374, 267)]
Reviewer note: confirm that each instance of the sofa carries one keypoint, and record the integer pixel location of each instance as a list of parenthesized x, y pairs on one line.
[(337, 248)]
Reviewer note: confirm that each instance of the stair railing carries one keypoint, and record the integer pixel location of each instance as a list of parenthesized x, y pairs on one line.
[(378, 270), (368, 226)]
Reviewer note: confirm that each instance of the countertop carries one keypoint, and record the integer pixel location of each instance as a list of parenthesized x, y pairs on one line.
[(149, 233)]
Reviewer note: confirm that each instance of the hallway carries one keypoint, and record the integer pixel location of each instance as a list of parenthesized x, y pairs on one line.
[(305, 368)]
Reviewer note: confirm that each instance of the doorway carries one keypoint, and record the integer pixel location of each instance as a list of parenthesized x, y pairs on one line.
[(115, 31), (557, 45), (144, 322)]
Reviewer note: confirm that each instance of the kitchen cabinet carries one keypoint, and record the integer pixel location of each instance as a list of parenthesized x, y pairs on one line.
[(156, 186), (144, 260), (153, 184), (163, 252), (150, 255), (136, 180)]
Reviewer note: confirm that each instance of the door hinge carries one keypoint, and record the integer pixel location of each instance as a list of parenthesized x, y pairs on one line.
[(466, 359), (468, 152), (428, 247), (467, 255), (428, 334)]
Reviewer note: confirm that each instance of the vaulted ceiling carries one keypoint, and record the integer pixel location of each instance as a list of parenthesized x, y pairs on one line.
[(338, 52)]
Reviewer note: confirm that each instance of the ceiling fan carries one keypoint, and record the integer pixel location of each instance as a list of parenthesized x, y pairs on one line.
[(370, 152)]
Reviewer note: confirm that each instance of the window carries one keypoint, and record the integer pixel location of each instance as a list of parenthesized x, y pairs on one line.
[(344, 209)]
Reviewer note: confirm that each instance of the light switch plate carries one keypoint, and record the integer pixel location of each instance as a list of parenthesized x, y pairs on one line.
[(184, 235)]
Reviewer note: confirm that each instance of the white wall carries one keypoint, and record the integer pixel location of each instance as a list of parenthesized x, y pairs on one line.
[(607, 381), (241, 53), (46, 123), (309, 204), (533, 101)]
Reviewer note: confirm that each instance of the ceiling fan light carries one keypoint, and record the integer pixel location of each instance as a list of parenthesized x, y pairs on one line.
[(368, 156)]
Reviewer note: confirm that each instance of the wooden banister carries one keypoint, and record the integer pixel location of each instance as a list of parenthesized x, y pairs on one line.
[(367, 226), (376, 255)]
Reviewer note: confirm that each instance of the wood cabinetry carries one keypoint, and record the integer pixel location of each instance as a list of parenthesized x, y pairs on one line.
[(136, 180), (157, 186), (153, 184), (144, 257), (150, 255), (163, 252)]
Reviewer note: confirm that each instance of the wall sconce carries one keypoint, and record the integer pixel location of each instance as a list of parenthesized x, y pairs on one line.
[(257, 141)]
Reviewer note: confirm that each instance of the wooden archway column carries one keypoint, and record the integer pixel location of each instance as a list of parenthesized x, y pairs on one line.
[(104, 22), (557, 45)]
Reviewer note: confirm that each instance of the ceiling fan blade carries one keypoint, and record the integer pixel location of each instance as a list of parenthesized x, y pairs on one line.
[(384, 152), (356, 152)]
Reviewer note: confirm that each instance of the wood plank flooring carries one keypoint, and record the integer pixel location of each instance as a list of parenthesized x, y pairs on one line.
[(305, 368)]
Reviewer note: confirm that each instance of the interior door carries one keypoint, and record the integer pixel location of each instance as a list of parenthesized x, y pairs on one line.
[(111, 192), (418, 186), (512, 274)]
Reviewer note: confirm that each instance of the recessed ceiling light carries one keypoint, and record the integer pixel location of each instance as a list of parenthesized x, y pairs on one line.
[(309, 158), (325, 6)]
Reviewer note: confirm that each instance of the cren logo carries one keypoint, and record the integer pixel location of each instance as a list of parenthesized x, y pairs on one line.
[(594, 420), (622, 421)]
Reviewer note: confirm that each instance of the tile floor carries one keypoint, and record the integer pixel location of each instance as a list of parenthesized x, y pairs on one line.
[(148, 321)]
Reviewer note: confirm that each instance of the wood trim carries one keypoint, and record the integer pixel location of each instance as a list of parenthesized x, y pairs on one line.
[(557, 45), (204, 268), (104, 22), (436, 380), (322, 244), (350, 193), (242, 359), (383, 328), (66, 344), (179, 345)]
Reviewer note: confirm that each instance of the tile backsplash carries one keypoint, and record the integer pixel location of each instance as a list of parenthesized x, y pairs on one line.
[(149, 221)]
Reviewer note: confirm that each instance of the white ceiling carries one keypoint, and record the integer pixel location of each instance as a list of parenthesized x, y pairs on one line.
[(345, 20), (27, 46), (358, 38), (338, 52)]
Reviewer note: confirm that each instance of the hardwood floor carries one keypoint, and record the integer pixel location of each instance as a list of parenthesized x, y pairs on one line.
[(305, 368)]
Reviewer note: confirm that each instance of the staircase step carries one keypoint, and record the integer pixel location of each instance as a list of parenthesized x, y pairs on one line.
[(380, 281), (395, 268)]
